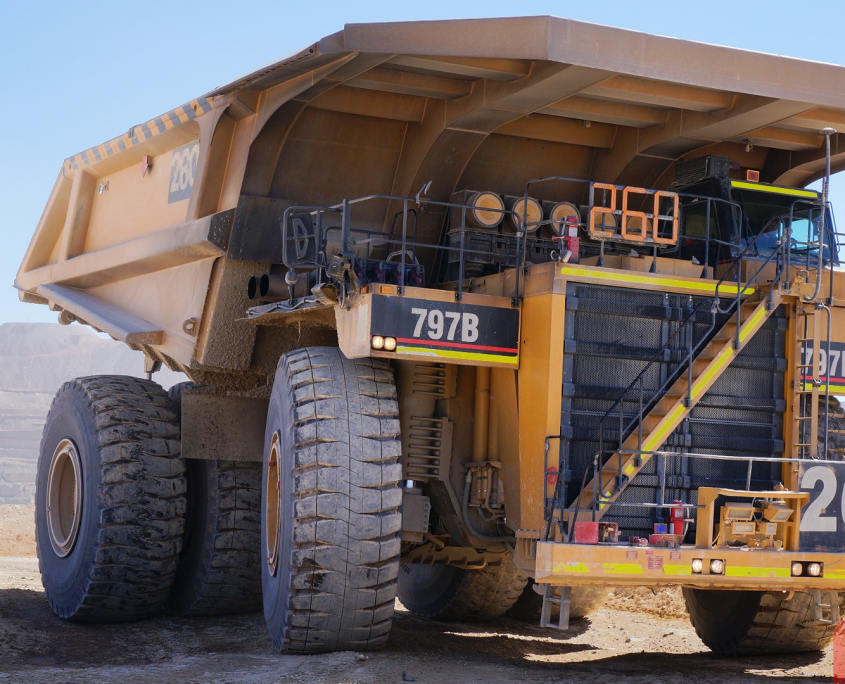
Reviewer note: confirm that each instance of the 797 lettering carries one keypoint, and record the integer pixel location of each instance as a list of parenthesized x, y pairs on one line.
[(436, 323)]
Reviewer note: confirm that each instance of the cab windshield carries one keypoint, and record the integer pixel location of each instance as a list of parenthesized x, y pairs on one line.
[(770, 216)]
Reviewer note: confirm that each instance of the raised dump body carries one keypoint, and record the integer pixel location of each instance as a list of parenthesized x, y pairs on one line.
[(492, 313)]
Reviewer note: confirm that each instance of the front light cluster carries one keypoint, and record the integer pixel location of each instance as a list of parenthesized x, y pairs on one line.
[(380, 343), (717, 566), (807, 569)]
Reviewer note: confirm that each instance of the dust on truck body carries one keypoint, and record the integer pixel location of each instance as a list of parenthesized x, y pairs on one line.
[(493, 313)]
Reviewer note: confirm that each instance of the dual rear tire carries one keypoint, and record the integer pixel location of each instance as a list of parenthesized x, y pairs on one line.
[(126, 528), (110, 500)]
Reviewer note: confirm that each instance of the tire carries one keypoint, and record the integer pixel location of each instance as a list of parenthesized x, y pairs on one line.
[(583, 602), (219, 570), (127, 488), (445, 592), (746, 623), (331, 525)]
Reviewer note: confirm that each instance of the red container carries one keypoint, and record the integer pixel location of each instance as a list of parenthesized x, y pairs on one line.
[(586, 533)]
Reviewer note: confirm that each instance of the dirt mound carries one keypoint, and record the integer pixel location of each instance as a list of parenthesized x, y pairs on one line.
[(666, 603), (17, 530)]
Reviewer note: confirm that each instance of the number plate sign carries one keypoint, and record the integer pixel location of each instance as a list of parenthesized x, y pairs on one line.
[(831, 370), (448, 331), (823, 518), (183, 168)]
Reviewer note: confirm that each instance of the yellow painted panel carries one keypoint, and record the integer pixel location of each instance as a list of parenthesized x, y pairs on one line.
[(623, 568), (761, 187)]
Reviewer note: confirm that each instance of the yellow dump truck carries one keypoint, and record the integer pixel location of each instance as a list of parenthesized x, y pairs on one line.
[(490, 315)]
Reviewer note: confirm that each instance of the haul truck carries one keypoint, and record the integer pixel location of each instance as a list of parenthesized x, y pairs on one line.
[(490, 315)]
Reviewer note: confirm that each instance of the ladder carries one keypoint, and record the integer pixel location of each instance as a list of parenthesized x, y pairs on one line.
[(826, 613), (655, 425), (550, 600), (806, 385)]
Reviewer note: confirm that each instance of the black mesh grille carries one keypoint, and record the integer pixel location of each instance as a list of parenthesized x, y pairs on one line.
[(611, 334)]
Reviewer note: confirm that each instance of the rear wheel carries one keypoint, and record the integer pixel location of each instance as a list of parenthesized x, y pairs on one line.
[(331, 510), (757, 623), (220, 567), (445, 592), (110, 499), (583, 601)]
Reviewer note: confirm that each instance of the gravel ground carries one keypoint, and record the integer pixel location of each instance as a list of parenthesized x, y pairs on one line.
[(631, 645), (17, 530)]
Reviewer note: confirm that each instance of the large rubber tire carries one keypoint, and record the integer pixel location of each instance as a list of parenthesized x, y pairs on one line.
[(445, 592), (132, 500), (220, 568), (743, 623), (332, 557), (583, 601)]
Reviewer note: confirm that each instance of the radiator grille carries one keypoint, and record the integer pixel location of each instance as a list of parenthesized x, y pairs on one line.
[(611, 333)]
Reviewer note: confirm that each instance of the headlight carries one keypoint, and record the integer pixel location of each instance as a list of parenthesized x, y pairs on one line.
[(797, 569), (389, 344), (717, 567), (697, 565), (377, 342), (814, 569)]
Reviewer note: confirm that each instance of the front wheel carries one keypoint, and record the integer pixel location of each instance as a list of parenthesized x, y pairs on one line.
[(758, 623), (331, 520)]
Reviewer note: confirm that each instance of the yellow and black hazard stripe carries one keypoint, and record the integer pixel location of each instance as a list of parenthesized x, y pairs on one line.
[(145, 131)]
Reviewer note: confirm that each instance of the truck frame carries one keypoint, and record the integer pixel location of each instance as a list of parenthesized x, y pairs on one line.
[(494, 314)]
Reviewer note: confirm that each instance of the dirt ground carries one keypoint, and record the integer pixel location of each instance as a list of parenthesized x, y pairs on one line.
[(17, 530), (644, 638)]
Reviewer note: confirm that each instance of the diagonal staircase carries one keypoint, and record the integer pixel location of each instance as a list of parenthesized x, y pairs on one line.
[(656, 424)]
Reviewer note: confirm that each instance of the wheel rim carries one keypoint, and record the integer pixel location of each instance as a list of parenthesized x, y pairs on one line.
[(273, 504), (64, 497)]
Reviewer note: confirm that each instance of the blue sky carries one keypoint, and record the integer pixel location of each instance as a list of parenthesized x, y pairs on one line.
[(74, 74)]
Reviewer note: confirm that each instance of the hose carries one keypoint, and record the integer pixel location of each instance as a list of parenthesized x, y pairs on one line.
[(465, 510)]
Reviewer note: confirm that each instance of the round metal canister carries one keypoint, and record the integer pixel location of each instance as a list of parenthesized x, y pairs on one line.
[(485, 210), (531, 212)]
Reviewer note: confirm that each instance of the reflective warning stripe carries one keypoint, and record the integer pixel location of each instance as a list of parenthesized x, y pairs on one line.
[(761, 187), (739, 571), (839, 389), (142, 132), (708, 287), (623, 568), (465, 356), (656, 438), (571, 566)]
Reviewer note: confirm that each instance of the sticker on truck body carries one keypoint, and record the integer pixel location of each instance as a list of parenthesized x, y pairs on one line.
[(831, 366), (183, 169), (823, 518), (448, 330)]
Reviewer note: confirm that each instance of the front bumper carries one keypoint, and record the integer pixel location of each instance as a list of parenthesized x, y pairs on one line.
[(622, 565)]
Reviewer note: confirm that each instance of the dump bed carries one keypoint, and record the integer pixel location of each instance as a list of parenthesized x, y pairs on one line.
[(153, 235)]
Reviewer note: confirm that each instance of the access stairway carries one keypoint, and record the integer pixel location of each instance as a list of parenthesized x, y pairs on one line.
[(654, 425)]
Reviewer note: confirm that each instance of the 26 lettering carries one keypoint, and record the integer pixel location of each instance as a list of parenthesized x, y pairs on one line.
[(452, 326), (812, 519)]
